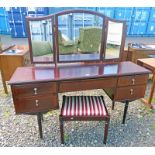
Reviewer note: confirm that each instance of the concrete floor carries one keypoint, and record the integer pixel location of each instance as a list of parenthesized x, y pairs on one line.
[(6, 39)]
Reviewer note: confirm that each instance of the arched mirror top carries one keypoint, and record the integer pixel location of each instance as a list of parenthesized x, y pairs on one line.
[(79, 35)]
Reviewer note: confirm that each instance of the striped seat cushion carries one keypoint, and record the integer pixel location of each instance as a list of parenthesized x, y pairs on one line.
[(83, 106)]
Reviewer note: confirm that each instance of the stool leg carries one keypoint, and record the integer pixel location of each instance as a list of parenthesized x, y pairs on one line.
[(39, 117), (61, 130), (125, 111), (106, 131), (113, 104)]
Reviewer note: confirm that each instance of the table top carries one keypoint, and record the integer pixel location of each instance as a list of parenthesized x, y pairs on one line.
[(148, 63), (140, 46), (15, 50), (5, 47), (73, 72)]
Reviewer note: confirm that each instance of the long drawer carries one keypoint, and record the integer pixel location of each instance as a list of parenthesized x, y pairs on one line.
[(36, 104), (87, 84), (132, 80), (130, 93), (34, 89)]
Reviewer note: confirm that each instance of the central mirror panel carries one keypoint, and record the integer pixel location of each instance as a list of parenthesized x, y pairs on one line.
[(114, 40), (79, 37), (41, 39)]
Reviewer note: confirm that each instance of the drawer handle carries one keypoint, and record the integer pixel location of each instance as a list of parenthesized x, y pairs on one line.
[(37, 103), (133, 81), (35, 91), (131, 91)]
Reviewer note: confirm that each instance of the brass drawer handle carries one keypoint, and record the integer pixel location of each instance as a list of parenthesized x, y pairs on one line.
[(37, 103), (35, 91), (131, 91), (133, 81)]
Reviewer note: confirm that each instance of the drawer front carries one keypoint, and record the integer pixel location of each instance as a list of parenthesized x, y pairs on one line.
[(130, 93), (132, 80), (36, 104), (34, 89), (87, 84)]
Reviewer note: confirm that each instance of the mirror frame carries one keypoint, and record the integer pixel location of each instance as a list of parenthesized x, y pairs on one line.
[(28, 20), (57, 15), (54, 19), (124, 30)]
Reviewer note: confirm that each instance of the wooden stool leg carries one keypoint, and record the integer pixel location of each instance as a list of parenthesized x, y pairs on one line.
[(125, 111), (113, 105), (39, 117), (61, 130), (106, 131)]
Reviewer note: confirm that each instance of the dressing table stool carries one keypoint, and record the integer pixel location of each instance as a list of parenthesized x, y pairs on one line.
[(84, 108)]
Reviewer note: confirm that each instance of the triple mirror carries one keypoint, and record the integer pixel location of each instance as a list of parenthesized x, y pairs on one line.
[(75, 36)]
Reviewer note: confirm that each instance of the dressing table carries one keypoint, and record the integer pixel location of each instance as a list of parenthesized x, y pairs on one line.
[(66, 58)]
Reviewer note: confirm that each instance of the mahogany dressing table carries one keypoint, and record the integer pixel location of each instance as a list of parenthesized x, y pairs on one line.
[(79, 62)]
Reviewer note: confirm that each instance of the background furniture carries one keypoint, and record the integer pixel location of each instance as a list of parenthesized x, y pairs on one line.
[(84, 108), (12, 58), (149, 63), (139, 51)]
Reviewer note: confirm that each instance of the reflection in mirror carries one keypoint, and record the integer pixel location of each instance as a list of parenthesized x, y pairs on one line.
[(114, 38), (79, 36), (41, 40), (75, 71)]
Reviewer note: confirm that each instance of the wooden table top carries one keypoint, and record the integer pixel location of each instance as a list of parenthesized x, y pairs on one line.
[(71, 72), (15, 50), (148, 63)]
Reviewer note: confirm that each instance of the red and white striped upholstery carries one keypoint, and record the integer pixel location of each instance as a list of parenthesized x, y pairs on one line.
[(83, 106)]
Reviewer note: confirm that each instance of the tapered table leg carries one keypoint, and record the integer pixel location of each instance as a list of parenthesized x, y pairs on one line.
[(39, 118), (125, 111)]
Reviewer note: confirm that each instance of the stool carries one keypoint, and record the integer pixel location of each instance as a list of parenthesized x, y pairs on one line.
[(84, 108)]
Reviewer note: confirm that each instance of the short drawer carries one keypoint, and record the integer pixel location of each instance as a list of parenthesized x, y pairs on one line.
[(34, 89), (132, 80), (87, 84), (36, 104), (130, 93)]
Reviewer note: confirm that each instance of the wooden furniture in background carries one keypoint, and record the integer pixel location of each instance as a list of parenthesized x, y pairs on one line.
[(36, 91), (139, 51), (149, 63), (12, 58), (84, 108), (3, 48)]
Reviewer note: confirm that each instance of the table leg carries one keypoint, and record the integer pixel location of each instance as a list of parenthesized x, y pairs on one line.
[(4, 83), (125, 111), (148, 102), (152, 90), (39, 117)]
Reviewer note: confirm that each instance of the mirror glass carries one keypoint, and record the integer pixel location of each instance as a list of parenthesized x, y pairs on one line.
[(79, 37), (41, 40), (114, 39)]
